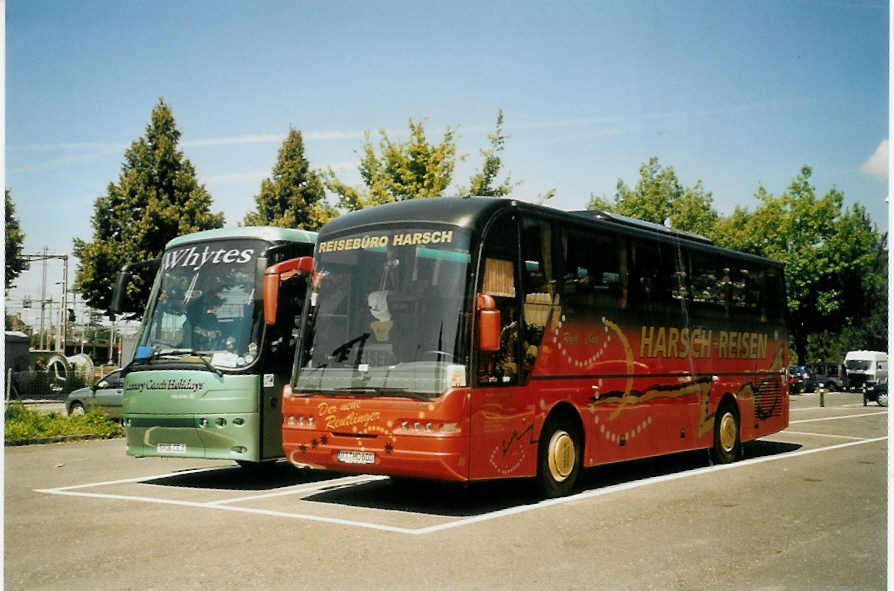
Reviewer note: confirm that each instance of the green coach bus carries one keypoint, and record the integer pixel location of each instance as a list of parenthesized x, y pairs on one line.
[(207, 375)]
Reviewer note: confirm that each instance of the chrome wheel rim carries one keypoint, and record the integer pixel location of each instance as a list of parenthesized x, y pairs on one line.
[(728, 432), (562, 455)]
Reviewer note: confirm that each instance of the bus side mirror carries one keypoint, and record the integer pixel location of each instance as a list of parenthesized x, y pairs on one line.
[(276, 274), (488, 324), (123, 279), (118, 294)]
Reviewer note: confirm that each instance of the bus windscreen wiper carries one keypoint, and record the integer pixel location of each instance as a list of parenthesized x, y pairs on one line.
[(375, 391), (185, 351), (342, 351)]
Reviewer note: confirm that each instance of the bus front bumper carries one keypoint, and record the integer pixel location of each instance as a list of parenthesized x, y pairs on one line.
[(218, 436), (438, 457)]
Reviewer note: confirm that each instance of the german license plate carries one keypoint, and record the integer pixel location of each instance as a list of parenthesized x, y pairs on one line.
[(356, 457), (171, 448)]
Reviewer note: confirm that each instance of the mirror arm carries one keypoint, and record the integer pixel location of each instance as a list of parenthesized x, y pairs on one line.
[(276, 274)]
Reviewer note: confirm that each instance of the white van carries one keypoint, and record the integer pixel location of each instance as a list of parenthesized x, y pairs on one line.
[(865, 368)]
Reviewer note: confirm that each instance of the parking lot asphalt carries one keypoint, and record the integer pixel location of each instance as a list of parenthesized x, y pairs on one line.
[(805, 509)]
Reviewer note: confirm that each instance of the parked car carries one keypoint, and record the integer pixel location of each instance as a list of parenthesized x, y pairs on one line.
[(105, 394), (865, 368), (829, 373), (877, 394), (800, 380)]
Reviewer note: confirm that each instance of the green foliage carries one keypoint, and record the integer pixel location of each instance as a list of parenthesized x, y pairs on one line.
[(403, 170), (23, 424), (544, 197), (659, 197), (294, 196), (157, 198), (836, 261), (15, 240), (416, 168), (481, 184)]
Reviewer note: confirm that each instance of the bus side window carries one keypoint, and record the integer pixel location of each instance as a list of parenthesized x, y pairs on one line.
[(538, 286), (596, 273), (655, 282), (498, 280), (774, 297), (712, 283)]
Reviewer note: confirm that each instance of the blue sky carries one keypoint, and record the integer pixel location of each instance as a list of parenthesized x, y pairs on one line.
[(734, 94)]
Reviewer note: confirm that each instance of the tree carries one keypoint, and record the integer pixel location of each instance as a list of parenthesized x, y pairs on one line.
[(482, 183), (15, 240), (405, 169), (835, 264), (659, 197), (294, 196), (156, 199)]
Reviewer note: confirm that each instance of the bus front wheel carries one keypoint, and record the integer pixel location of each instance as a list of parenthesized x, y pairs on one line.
[(727, 445), (559, 458)]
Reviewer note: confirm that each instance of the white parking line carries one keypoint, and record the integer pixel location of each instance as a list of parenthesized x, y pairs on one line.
[(829, 408), (329, 485), (135, 479), (867, 414), (637, 484), (787, 432), (319, 485), (305, 517), (226, 504)]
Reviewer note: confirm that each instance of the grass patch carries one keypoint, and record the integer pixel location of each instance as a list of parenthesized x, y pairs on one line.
[(23, 424)]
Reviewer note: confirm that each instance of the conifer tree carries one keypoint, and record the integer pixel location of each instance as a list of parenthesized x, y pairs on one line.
[(294, 196), (157, 198)]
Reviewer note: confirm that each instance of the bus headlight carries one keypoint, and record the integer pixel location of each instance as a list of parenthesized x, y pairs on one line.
[(405, 426), (300, 421)]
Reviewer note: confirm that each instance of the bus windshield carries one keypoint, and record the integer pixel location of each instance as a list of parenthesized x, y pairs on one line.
[(205, 302), (389, 313)]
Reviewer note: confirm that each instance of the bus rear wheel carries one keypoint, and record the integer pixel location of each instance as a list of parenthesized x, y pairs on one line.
[(559, 458), (727, 445)]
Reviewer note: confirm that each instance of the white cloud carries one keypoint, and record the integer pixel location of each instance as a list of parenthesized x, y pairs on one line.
[(877, 165), (332, 135), (235, 177), (271, 138), (343, 165), (230, 141), (257, 176)]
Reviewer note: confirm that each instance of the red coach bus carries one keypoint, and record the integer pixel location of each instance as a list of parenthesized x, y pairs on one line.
[(470, 339)]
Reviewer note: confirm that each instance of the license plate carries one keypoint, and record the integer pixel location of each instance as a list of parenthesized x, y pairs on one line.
[(171, 448), (356, 457)]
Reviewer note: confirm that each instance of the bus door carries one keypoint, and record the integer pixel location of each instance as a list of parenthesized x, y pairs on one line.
[(503, 442), (277, 367)]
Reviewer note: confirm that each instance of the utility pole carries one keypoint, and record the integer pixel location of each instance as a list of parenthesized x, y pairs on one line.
[(43, 296), (63, 309), (60, 335)]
